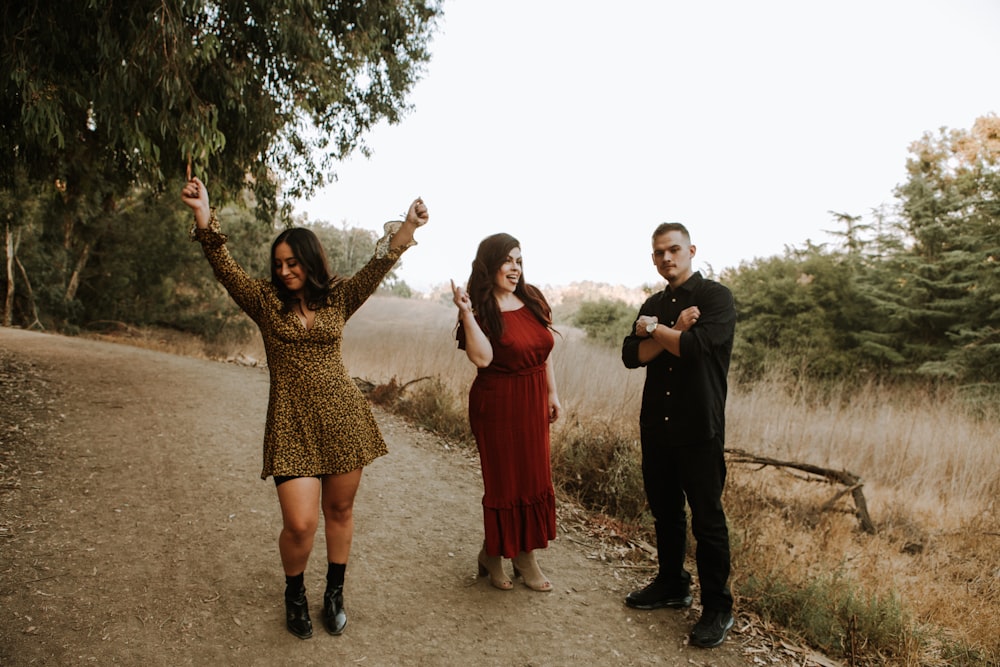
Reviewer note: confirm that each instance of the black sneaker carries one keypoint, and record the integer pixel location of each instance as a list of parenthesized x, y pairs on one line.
[(657, 594), (711, 629)]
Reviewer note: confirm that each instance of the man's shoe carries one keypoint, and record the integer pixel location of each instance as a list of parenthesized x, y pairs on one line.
[(711, 629), (297, 617), (334, 616), (657, 594)]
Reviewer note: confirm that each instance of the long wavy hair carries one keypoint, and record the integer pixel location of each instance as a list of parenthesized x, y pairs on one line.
[(312, 258), (492, 253)]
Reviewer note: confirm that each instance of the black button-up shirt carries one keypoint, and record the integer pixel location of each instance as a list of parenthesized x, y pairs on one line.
[(686, 395)]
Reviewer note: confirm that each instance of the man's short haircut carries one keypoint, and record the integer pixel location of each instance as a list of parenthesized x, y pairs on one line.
[(665, 227)]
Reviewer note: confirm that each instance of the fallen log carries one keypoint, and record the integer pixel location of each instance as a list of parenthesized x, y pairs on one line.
[(851, 481)]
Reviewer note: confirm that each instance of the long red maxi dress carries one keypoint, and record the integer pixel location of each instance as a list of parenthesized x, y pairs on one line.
[(508, 413)]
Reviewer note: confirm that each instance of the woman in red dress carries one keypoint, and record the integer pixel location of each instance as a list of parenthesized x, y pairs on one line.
[(504, 326)]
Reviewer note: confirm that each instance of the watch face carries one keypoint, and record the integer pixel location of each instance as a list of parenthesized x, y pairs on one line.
[(650, 328)]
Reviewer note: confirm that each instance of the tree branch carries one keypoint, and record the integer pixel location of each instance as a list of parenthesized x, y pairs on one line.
[(848, 479)]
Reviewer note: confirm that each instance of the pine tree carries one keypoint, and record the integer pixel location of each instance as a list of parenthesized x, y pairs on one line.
[(940, 294)]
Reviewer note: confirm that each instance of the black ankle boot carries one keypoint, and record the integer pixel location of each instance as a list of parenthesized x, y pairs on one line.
[(297, 616), (334, 616)]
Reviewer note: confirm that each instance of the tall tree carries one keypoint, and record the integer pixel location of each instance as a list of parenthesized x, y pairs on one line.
[(17, 205), (97, 97), (940, 294), (852, 234)]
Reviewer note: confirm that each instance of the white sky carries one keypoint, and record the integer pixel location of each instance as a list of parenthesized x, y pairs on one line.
[(578, 126)]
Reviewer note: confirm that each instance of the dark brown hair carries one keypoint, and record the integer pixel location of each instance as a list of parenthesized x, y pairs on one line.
[(492, 253), (308, 251), (665, 227)]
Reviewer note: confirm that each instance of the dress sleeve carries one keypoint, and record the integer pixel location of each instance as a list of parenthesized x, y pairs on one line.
[(363, 284), (242, 288), (389, 229)]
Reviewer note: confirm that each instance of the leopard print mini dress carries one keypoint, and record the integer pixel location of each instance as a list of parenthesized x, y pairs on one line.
[(318, 421)]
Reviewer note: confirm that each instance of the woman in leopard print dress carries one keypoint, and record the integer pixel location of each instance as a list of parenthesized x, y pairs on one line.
[(320, 432)]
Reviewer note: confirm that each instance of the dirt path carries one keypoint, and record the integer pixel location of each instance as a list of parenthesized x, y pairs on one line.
[(134, 529)]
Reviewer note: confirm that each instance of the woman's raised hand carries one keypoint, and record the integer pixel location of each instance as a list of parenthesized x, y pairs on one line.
[(461, 298), (195, 195), (417, 214)]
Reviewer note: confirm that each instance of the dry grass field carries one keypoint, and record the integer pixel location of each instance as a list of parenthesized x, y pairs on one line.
[(923, 590)]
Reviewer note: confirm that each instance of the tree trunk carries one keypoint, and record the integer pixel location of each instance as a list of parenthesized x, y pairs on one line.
[(8, 304), (36, 322), (74, 279)]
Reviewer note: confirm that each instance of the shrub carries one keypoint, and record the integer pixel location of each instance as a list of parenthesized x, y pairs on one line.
[(832, 612), (602, 469), (605, 321), (432, 405)]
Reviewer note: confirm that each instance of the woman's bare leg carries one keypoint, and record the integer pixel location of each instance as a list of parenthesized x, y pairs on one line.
[(299, 500), (338, 513)]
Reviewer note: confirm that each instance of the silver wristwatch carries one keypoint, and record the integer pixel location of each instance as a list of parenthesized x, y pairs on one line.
[(651, 327)]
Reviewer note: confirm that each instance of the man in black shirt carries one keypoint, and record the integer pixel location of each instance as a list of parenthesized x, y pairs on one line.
[(684, 338)]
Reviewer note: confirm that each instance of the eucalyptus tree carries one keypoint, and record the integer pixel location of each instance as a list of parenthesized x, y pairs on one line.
[(102, 100)]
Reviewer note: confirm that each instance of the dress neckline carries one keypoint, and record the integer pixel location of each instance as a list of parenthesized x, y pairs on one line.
[(303, 318)]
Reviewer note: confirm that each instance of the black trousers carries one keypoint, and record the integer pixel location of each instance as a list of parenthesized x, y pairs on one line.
[(695, 473)]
